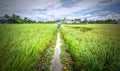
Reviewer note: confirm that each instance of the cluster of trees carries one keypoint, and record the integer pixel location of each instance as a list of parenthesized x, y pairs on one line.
[(109, 21), (14, 19), (17, 19)]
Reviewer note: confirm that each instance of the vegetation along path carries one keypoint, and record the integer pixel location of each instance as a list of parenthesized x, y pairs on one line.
[(55, 63)]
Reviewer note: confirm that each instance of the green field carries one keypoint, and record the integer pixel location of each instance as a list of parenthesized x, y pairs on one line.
[(21, 45), (93, 47)]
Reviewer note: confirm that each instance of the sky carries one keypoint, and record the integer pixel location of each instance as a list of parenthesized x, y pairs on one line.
[(59, 9)]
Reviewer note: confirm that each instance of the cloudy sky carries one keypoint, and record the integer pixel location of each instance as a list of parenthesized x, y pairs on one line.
[(58, 9)]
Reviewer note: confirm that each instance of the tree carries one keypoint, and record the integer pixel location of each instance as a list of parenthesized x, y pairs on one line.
[(14, 18), (6, 16)]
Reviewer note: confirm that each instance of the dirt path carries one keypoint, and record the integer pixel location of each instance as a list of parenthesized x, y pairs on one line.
[(55, 63)]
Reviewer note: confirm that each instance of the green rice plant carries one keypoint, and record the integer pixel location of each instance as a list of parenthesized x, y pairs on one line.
[(22, 44), (93, 47)]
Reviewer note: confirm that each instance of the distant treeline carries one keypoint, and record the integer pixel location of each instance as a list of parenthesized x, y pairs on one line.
[(109, 21), (13, 19), (16, 19)]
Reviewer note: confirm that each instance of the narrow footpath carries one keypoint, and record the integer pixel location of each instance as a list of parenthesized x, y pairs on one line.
[(55, 63)]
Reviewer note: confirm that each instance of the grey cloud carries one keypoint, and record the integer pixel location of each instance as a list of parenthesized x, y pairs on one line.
[(105, 1), (39, 9), (69, 3)]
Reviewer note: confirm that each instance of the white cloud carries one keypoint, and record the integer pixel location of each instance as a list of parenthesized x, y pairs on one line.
[(108, 15), (113, 16)]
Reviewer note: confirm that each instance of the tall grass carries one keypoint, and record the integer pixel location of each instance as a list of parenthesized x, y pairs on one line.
[(93, 47), (21, 45)]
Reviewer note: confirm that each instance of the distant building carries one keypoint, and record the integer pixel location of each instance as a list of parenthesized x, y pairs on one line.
[(72, 20), (3, 20), (77, 20), (68, 20)]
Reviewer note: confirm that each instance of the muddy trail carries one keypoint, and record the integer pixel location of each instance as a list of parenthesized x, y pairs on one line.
[(55, 57), (56, 62)]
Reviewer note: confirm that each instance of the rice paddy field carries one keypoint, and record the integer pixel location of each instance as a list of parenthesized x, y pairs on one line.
[(22, 44), (92, 47)]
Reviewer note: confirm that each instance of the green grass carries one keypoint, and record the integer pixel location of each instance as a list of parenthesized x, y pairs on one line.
[(65, 57), (46, 56), (21, 45), (93, 47)]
